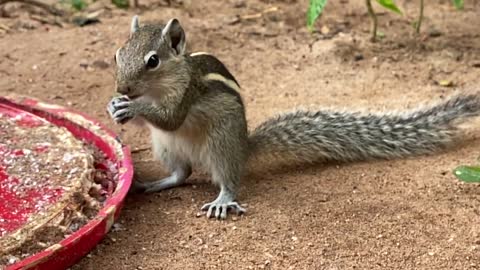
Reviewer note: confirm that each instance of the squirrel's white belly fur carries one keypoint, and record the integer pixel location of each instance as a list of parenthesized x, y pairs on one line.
[(186, 144)]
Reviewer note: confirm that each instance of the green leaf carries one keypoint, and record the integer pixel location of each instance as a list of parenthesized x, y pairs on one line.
[(121, 3), (78, 4), (469, 174), (389, 4), (315, 8), (458, 4)]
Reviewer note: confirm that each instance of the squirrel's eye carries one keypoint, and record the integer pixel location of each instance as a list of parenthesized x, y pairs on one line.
[(115, 58), (153, 61)]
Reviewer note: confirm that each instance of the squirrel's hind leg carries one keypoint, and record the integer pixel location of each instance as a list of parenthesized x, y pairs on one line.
[(177, 178), (226, 171), (180, 170)]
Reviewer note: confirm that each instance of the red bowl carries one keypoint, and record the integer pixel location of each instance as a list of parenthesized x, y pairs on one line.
[(72, 248)]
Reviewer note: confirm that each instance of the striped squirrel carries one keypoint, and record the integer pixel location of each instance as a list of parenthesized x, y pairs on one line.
[(192, 106)]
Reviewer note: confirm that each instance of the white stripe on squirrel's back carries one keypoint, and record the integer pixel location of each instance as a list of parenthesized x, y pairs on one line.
[(198, 53), (220, 78)]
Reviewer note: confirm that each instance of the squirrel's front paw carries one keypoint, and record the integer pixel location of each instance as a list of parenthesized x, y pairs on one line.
[(121, 109)]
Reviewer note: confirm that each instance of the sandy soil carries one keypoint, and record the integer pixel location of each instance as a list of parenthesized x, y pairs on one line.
[(403, 214)]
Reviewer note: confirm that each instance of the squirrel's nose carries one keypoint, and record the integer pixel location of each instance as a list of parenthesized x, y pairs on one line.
[(124, 90)]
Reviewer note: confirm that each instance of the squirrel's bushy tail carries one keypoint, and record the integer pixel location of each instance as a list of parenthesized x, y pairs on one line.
[(312, 136)]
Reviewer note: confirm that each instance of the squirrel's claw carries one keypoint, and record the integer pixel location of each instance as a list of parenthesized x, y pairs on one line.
[(120, 109), (123, 115), (221, 209)]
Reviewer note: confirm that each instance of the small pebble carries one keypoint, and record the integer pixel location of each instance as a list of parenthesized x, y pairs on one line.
[(240, 4), (198, 241), (100, 64), (324, 30), (434, 33), (358, 57), (83, 63), (117, 227), (232, 20)]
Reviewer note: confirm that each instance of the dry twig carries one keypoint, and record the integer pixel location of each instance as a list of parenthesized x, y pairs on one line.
[(259, 15), (45, 6), (139, 150)]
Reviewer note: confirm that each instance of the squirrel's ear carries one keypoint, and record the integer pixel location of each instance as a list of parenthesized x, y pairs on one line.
[(134, 25), (174, 35)]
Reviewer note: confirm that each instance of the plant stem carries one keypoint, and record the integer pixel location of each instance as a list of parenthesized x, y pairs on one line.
[(420, 18), (372, 15)]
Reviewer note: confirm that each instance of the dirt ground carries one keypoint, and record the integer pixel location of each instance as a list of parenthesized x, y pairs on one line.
[(402, 214)]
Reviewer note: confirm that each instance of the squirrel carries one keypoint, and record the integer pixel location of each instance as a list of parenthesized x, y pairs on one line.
[(193, 109)]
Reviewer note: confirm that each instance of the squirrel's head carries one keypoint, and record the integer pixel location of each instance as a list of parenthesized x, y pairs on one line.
[(151, 60)]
